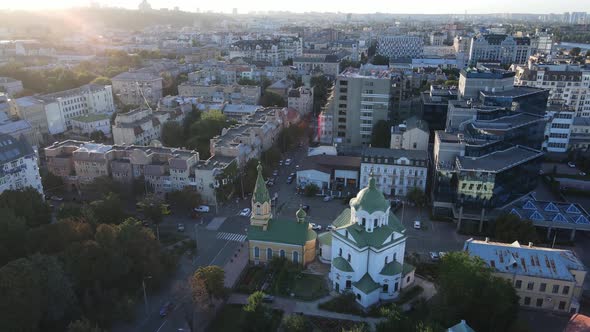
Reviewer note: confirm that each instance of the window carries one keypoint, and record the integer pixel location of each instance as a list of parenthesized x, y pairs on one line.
[(363, 221), (375, 223), (395, 256), (527, 300), (340, 252), (268, 253), (349, 258), (543, 287), (555, 289), (358, 297), (562, 305), (408, 279), (539, 302), (296, 257), (256, 252), (518, 284), (566, 289), (396, 286), (385, 288), (386, 259), (530, 286), (282, 253), (348, 284)]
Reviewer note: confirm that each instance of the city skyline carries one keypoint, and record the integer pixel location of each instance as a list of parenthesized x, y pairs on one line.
[(421, 7)]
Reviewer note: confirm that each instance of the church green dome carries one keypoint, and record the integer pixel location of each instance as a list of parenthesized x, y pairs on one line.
[(301, 213), (370, 199)]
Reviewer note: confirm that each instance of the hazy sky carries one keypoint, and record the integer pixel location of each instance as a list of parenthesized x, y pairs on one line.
[(345, 6)]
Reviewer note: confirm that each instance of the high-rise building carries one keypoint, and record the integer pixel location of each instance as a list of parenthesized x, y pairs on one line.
[(400, 46)]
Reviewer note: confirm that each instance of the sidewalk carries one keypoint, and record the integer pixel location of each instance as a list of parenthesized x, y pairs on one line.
[(234, 267)]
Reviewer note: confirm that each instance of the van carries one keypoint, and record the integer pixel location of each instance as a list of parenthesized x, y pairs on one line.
[(202, 208)]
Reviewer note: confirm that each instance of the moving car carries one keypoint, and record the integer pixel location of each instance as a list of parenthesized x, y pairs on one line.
[(434, 256), (315, 227), (305, 207), (245, 212), (275, 172), (327, 198), (281, 162), (57, 198), (268, 298), (330, 227), (289, 180), (417, 224), (166, 309), (202, 208), (288, 162), (180, 227), (571, 164)]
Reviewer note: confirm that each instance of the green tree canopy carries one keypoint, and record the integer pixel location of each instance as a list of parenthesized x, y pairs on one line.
[(379, 59), (108, 210), (258, 315), (13, 233), (295, 323), (21, 289), (186, 199), (27, 204), (381, 135), (102, 80), (83, 325), (207, 284), (510, 228), (271, 99), (172, 134)]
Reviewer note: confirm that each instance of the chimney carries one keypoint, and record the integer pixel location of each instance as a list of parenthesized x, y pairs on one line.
[(530, 244), (487, 240)]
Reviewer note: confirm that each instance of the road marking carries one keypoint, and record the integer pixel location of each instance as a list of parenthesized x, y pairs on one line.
[(161, 326), (214, 258), (231, 236)]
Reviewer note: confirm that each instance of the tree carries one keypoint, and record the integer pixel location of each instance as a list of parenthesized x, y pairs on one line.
[(186, 199), (69, 210), (510, 228), (381, 135), (258, 315), (98, 136), (101, 80), (13, 232), (27, 204), (288, 62), (154, 209), (396, 320), (295, 323), (271, 99), (20, 287), (52, 182), (102, 186), (108, 210), (416, 196), (349, 63), (311, 190), (466, 285), (56, 237), (83, 325), (575, 51), (247, 81), (172, 134), (207, 284), (379, 59)]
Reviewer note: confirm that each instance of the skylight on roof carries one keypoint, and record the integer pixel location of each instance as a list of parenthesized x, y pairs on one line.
[(559, 218), (573, 209), (529, 205), (551, 207), (537, 216), (514, 212)]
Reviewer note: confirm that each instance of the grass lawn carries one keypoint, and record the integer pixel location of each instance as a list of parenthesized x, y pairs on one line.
[(231, 318), (324, 324), (251, 279), (308, 287)]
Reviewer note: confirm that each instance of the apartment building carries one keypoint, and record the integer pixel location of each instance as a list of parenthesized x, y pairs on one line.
[(568, 84), (301, 99), (17, 128), (362, 97), (395, 171), (139, 127), (32, 110), (411, 134), (558, 129), (233, 94), (163, 169), (18, 165), (580, 134), (328, 64), (62, 106), (544, 278), (437, 38), (400, 46), (274, 50), (499, 47), (89, 123), (138, 87)]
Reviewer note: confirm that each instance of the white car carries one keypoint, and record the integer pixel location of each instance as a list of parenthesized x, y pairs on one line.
[(330, 228), (327, 198), (315, 227), (245, 212), (417, 224), (571, 164), (434, 256), (288, 162), (180, 227), (202, 208)]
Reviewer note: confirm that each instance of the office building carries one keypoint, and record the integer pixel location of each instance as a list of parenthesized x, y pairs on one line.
[(395, 47), (580, 134), (498, 47), (472, 80), (138, 88), (395, 172), (328, 64), (558, 129), (18, 165), (544, 278), (434, 105)]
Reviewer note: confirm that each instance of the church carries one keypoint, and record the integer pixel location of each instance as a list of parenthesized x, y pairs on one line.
[(366, 249), (270, 237)]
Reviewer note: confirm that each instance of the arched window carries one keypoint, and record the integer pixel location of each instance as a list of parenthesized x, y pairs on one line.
[(256, 252), (349, 258), (340, 252), (282, 253), (258, 209), (364, 221), (295, 257), (395, 257), (375, 223), (268, 253), (386, 259)]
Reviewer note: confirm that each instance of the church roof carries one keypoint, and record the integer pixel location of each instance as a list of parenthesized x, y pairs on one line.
[(325, 238), (370, 199), (392, 268), (366, 284), (260, 191), (342, 264), (282, 231)]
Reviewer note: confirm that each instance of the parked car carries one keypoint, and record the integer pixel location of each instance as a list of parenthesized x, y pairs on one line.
[(202, 208), (330, 227), (289, 180), (305, 207), (57, 198), (288, 162), (434, 256), (166, 309), (245, 212), (315, 227), (268, 298), (180, 227), (275, 172), (281, 162), (571, 164), (145, 223), (327, 198), (292, 175), (583, 173), (417, 224)]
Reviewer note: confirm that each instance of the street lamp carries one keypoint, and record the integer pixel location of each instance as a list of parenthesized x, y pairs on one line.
[(145, 294)]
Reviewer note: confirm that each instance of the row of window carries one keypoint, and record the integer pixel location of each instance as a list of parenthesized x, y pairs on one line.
[(539, 302), (282, 254), (542, 287)]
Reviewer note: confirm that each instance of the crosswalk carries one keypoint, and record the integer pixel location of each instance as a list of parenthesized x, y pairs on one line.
[(231, 237)]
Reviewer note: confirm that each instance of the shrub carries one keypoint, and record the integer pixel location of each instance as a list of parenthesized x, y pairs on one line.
[(344, 303)]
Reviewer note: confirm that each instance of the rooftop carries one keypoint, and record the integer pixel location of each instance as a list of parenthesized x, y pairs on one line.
[(12, 149), (91, 117), (498, 161), (518, 91), (87, 88), (526, 260), (542, 212), (327, 163), (395, 153), (136, 76), (366, 284), (282, 231)]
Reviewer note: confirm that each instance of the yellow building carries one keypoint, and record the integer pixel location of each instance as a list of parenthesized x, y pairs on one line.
[(270, 237), (544, 278)]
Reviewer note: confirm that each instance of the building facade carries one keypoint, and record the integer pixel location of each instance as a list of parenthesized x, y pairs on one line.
[(138, 87), (395, 172), (18, 165), (301, 99), (10, 85), (367, 251), (89, 123), (234, 94), (497, 47), (274, 51), (395, 47), (138, 127), (411, 134)]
